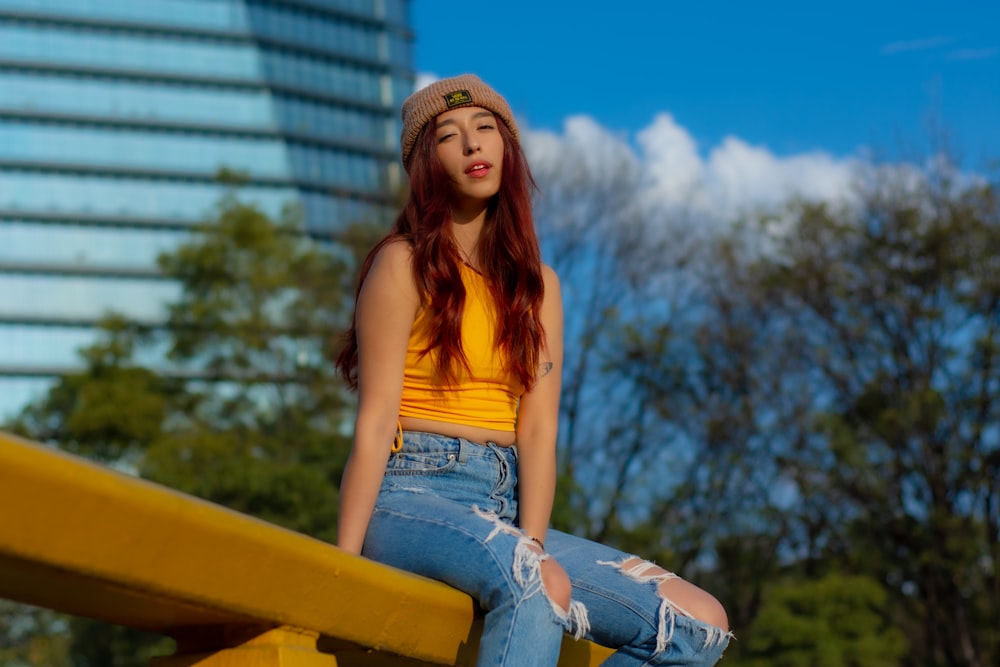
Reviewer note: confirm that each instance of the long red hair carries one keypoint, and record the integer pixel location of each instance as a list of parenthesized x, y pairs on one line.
[(509, 259)]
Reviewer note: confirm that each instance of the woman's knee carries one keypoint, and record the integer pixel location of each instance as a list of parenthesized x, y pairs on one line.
[(695, 602), (557, 584), (682, 595)]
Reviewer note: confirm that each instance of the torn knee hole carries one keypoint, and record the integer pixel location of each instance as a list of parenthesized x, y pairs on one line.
[(676, 597), (557, 587), (694, 602), (553, 583)]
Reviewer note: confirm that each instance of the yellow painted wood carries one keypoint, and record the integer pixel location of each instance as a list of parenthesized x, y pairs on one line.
[(276, 647), (250, 656), (87, 540)]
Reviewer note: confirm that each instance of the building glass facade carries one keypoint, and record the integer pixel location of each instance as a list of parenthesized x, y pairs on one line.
[(116, 117)]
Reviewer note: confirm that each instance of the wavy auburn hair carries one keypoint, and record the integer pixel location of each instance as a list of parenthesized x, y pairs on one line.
[(509, 258)]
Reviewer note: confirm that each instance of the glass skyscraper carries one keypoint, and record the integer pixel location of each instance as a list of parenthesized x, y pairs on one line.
[(116, 117)]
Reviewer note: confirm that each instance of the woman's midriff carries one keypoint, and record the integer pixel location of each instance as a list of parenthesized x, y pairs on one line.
[(472, 433)]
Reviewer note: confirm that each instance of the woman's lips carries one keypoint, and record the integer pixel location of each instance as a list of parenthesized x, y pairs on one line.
[(478, 169)]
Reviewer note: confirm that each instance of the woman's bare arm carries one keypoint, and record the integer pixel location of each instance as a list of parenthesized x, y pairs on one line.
[(538, 420), (386, 308)]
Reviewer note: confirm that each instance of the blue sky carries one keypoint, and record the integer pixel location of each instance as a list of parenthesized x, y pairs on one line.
[(784, 78)]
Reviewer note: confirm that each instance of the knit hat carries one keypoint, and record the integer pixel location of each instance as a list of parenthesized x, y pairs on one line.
[(466, 90)]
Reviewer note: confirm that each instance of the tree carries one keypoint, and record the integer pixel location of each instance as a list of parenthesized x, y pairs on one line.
[(818, 391), (615, 260), (894, 307), (32, 637), (835, 621), (260, 425), (111, 410)]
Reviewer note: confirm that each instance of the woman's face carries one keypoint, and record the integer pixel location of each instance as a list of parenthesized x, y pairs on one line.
[(470, 148)]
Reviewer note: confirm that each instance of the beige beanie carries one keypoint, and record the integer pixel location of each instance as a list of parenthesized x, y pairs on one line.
[(466, 90)]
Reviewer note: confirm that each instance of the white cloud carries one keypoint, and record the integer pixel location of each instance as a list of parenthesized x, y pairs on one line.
[(585, 149), (742, 176), (674, 170), (424, 79), (673, 174)]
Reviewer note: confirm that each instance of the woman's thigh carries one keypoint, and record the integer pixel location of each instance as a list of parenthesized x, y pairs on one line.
[(445, 540), (445, 511)]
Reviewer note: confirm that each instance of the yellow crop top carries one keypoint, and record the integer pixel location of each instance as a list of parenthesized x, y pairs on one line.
[(486, 395)]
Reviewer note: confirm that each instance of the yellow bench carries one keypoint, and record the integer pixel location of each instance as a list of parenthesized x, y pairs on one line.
[(232, 590)]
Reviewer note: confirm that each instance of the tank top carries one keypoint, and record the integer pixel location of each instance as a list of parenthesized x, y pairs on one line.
[(484, 395)]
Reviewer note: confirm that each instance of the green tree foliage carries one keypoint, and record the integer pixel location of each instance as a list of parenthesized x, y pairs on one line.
[(709, 440), (835, 621), (95, 644), (894, 306), (32, 637), (111, 410), (260, 425)]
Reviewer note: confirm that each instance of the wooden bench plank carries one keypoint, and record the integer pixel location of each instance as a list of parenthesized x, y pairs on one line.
[(87, 540)]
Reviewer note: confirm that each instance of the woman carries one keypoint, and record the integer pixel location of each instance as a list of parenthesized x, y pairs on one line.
[(456, 354)]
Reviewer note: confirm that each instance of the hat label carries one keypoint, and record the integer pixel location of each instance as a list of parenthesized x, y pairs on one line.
[(457, 98)]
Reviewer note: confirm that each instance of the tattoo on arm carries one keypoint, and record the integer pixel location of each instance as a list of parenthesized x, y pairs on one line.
[(544, 368)]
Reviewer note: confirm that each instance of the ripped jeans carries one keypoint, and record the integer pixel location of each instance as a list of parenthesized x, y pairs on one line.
[(448, 510)]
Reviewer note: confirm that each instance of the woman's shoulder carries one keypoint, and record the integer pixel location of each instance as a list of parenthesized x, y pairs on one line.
[(551, 290), (395, 250), (395, 256), (549, 276), (391, 269)]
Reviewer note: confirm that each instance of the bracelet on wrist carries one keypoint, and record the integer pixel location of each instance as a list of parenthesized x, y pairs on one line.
[(536, 541)]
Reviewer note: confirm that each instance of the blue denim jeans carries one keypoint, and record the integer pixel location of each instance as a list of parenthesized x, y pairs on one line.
[(447, 510)]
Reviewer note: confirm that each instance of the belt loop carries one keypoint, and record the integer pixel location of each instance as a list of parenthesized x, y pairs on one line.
[(497, 449), (464, 446)]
